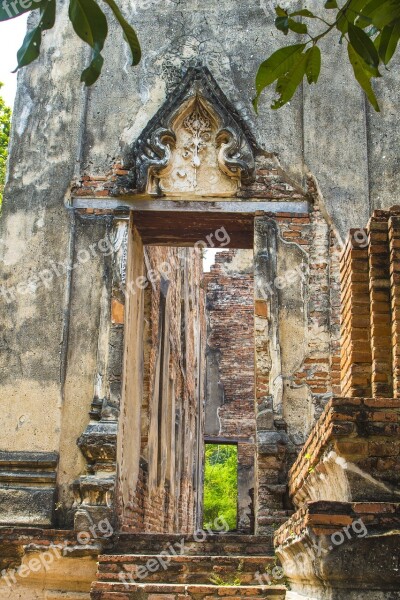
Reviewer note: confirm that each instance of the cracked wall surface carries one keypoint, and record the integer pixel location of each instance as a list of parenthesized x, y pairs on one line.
[(67, 130), (62, 314)]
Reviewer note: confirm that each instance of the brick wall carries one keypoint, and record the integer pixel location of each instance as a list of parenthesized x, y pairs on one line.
[(356, 358), (230, 317), (361, 431), (394, 242), (230, 411), (369, 312), (165, 498)]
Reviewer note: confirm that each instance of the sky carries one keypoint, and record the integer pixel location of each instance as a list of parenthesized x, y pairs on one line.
[(11, 37), (209, 258)]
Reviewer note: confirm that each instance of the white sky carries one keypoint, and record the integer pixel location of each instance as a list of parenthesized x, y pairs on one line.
[(11, 37), (209, 257)]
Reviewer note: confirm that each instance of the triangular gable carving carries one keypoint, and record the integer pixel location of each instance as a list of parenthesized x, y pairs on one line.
[(196, 144)]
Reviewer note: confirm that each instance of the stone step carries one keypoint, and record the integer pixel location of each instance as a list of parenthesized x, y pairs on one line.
[(201, 544), (184, 569), (165, 591)]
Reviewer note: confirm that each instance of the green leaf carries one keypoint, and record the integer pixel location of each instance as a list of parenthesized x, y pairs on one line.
[(129, 33), (331, 4), (288, 83), (313, 67), (349, 13), (377, 41), (276, 65), (280, 12), (389, 39), (363, 75), (89, 22), (297, 27), (93, 71), (11, 11), (30, 48), (381, 13), (282, 23), (48, 15), (303, 13), (354, 9), (363, 45)]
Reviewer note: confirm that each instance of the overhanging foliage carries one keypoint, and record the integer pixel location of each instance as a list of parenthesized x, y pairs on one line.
[(5, 121), (369, 28)]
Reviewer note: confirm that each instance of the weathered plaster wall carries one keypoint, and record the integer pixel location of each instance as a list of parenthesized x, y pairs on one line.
[(90, 296), (296, 287), (36, 231), (297, 330), (351, 151), (61, 130)]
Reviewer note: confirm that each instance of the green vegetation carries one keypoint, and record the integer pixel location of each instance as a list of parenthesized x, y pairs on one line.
[(88, 21), (369, 28), (220, 484), (231, 580), (5, 121)]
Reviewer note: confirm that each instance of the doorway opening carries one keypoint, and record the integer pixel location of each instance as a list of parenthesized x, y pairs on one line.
[(220, 501), (230, 369), (190, 337)]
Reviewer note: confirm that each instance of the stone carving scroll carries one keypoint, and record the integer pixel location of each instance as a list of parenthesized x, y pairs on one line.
[(196, 145)]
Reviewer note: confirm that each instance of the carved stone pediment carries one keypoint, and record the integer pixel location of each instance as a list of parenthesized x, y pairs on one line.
[(195, 145)]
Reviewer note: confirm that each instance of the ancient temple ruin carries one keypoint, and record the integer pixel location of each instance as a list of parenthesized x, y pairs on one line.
[(120, 357)]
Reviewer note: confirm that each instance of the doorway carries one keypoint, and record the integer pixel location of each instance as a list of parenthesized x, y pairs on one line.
[(167, 341), (220, 500)]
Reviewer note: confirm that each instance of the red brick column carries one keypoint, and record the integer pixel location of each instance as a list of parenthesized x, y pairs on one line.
[(355, 363), (379, 287), (394, 241)]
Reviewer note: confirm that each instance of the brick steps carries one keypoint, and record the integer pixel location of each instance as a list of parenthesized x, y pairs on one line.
[(182, 569), (179, 567), (211, 545), (146, 591)]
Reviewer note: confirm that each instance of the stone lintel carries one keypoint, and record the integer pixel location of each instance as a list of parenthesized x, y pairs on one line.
[(215, 205)]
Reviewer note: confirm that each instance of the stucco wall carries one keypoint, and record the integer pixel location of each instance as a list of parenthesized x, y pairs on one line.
[(61, 130)]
